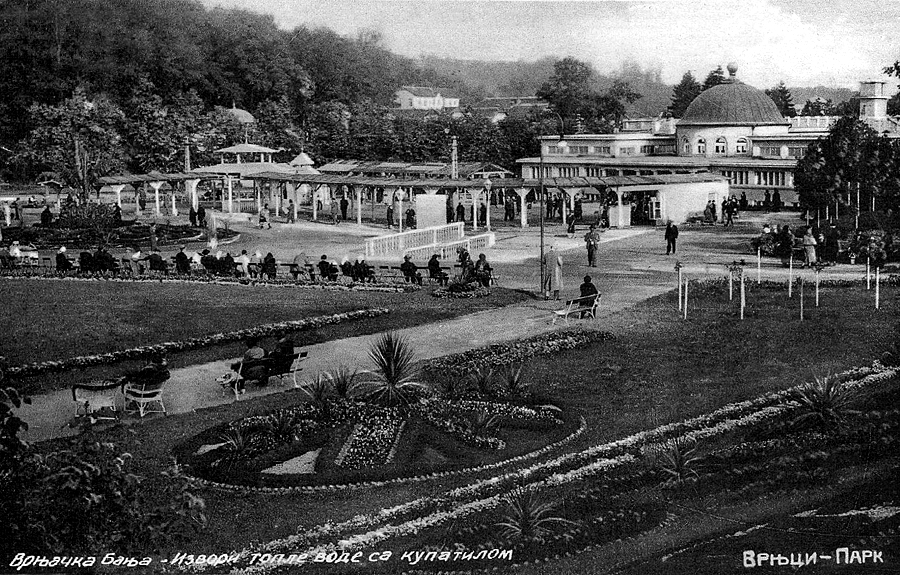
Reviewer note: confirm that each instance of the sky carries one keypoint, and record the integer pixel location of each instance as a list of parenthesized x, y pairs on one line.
[(801, 42)]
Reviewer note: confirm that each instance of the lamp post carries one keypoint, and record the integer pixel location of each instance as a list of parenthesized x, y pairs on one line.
[(541, 185)]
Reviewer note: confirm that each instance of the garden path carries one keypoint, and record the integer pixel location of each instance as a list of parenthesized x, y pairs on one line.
[(631, 268)]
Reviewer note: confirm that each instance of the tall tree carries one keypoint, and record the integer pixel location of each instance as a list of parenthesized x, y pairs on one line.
[(818, 107), (683, 94), (714, 78), (783, 99), (80, 139), (852, 154), (570, 92)]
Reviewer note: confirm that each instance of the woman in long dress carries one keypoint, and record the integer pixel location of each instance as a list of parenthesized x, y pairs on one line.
[(809, 245), (553, 265)]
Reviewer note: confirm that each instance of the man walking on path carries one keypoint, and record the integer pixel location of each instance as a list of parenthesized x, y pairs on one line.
[(592, 242), (671, 237)]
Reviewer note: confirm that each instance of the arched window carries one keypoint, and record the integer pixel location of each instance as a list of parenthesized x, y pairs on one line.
[(740, 146), (685, 147), (701, 146), (721, 145)]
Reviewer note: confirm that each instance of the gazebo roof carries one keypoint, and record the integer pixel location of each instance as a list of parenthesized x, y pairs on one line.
[(246, 149), (302, 160)]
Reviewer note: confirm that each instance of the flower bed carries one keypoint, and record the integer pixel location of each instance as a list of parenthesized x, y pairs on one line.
[(508, 353), (127, 234), (371, 441), (43, 274), (410, 519), (267, 330), (445, 293)]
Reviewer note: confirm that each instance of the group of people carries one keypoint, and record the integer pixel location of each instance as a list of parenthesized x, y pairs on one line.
[(730, 208), (197, 217), (257, 365)]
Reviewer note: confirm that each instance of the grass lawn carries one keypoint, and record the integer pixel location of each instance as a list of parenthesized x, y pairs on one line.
[(658, 369), (51, 320)]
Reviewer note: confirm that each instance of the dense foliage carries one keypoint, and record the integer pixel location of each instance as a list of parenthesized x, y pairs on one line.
[(852, 155)]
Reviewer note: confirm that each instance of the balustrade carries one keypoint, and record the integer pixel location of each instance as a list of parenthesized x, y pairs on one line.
[(393, 243)]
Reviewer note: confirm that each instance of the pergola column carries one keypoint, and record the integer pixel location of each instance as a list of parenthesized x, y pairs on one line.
[(431, 191), (295, 189), (315, 202), (570, 193), (358, 190), (476, 206), (523, 211), (174, 207), (190, 188), (619, 198), (156, 186), (118, 190), (399, 196), (230, 194), (258, 197), (487, 217)]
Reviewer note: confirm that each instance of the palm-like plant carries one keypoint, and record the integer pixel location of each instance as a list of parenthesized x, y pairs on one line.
[(483, 422), (480, 381), (824, 401), (679, 457), (282, 426), (319, 391), (343, 381), (395, 384), (527, 518), (512, 379)]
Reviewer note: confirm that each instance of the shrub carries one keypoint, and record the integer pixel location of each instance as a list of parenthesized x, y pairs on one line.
[(84, 500), (678, 459), (825, 402), (343, 381), (480, 381), (528, 519), (512, 379), (483, 422), (395, 372)]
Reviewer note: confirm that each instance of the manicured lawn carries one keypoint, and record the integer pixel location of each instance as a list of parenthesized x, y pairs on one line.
[(658, 369), (49, 320)]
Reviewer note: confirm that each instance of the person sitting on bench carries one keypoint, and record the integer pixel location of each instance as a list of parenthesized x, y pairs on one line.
[(282, 355), (157, 371), (410, 271), (482, 271), (253, 366), (364, 272), (63, 264), (435, 271), (587, 289)]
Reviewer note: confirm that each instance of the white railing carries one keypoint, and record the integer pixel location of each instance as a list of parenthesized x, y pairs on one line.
[(448, 250), (393, 243)]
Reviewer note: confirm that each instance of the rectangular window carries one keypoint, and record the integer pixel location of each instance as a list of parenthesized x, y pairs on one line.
[(647, 149), (555, 150), (603, 150), (593, 172), (578, 150), (770, 151), (627, 151), (796, 151)]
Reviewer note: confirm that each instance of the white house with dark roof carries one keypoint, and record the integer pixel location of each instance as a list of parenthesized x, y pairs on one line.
[(425, 98)]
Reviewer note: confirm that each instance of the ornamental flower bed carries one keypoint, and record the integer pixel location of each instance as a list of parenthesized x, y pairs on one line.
[(445, 293), (126, 235), (411, 520), (514, 352), (266, 330), (371, 441), (151, 277)]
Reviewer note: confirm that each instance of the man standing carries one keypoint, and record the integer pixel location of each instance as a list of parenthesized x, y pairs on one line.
[(592, 242), (344, 205), (671, 237), (460, 212)]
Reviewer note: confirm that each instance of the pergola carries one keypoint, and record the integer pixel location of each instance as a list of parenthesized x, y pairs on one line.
[(328, 183), (156, 180)]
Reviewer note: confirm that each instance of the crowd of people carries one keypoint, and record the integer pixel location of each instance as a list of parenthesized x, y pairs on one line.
[(809, 245)]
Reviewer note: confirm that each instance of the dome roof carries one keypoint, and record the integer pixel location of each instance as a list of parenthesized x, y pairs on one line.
[(733, 103)]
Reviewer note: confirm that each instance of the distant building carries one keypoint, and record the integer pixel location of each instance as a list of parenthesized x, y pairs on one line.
[(733, 130), (424, 98), (498, 109), (408, 170)]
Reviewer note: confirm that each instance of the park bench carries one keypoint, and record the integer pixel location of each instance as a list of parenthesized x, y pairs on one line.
[(97, 399), (588, 306), (232, 382)]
